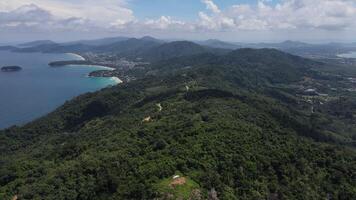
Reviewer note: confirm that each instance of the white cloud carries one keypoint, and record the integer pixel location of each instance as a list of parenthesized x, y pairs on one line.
[(217, 22), (114, 16), (289, 14), (164, 22), (101, 13), (210, 5)]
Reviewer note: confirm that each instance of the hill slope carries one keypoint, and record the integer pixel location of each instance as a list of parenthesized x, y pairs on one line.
[(206, 122), (178, 49), (219, 44), (37, 43)]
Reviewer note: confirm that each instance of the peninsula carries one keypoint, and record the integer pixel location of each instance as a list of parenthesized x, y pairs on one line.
[(70, 62), (11, 69), (111, 71)]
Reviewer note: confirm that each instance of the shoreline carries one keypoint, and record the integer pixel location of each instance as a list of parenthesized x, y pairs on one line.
[(76, 55), (115, 79), (97, 66)]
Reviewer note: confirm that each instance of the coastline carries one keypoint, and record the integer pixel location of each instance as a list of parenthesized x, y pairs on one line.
[(96, 66), (76, 55), (64, 85), (115, 79)]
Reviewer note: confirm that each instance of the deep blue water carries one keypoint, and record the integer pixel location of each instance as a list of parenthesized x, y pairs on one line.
[(38, 89)]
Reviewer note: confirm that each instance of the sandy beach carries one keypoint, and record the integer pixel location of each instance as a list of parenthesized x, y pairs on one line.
[(76, 55), (117, 80), (96, 66)]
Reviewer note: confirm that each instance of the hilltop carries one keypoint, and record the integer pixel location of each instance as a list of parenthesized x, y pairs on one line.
[(37, 43)]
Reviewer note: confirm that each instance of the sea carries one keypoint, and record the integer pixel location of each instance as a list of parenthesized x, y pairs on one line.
[(38, 89)]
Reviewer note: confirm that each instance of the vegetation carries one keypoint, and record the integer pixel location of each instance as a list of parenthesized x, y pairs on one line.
[(11, 69), (70, 62), (230, 124)]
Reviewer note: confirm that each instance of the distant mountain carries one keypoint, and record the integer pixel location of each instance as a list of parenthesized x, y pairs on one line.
[(7, 48), (99, 42), (178, 49), (128, 47), (152, 39), (115, 44), (57, 48), (219, 44), (173, 49), (37, 43), (112, 41), (282, 45), (153, 49), (304, 49), (293, 44)]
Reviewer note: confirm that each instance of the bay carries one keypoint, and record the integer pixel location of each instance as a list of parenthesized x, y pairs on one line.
[(38, 88)]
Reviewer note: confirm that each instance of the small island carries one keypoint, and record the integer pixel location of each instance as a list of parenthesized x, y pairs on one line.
[(11, 69)]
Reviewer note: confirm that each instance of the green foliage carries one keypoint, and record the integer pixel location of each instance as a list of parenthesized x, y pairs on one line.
[(224, 133)]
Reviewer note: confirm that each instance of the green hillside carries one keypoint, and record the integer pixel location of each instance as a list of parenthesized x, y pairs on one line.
[(224, 123)]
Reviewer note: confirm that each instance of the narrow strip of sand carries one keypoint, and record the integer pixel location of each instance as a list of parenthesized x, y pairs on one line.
[(117, 80), (76, 55)]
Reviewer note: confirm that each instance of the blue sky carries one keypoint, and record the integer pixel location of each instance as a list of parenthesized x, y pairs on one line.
[(230, 20), (181, 9)]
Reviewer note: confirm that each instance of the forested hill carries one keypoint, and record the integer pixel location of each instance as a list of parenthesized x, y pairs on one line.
[(268, 66), (146, 48), (206, 118)]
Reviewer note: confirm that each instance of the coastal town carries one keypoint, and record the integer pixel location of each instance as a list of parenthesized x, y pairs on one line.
[(120, 65), (116, 65)]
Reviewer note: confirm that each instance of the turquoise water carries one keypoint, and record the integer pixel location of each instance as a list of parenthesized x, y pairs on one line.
[(38, 89), (348, 55)]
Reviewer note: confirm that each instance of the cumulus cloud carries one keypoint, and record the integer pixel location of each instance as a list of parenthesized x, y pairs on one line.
[(60, 14), (210, 5), (28, 14), (115, 16), (288, 14), (164, 22)]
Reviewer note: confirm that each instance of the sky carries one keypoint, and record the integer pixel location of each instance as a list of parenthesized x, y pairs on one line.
[(229, 20)]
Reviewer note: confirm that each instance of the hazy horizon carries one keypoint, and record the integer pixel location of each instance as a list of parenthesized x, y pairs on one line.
[(312, 21), (17, 42)]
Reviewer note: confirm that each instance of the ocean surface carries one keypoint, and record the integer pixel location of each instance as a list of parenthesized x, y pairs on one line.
[(39, 89), (348, 55)]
